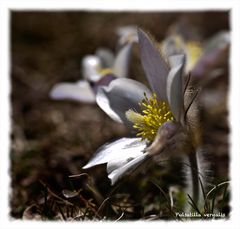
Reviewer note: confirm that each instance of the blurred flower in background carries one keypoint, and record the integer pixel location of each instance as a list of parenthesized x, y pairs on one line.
[(99, 69), (127, 34), (203, 58)]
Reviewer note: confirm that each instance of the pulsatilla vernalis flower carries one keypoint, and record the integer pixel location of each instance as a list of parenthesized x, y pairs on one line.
[(98, 69), (127, 34), (157, 116), (203, 58)]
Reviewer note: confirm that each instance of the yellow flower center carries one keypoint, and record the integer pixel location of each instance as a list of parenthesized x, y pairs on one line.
[(154, 114), (105, 71), (194, 52)]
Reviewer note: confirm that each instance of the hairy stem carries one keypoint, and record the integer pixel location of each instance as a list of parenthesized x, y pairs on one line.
[(194, 178)]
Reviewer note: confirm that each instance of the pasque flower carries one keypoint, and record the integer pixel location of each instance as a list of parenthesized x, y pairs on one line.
[(98, 69), (127, 34), (158, 116), (203, 58)]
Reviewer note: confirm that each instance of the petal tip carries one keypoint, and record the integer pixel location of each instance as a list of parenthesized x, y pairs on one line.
[(56, 92), (142, 35), (88, 165)]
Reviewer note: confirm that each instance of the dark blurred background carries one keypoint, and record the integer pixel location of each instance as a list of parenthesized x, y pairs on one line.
[(54, 139)]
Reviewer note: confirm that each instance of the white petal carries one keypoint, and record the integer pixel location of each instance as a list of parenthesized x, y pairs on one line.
[(106, 56), (127, 34), (127, 168), (176, 60), (91, 65), (117, 163), (80, 91), (218, 41), (173, 45), (174, 85), (121, 63), (120, 96), (214, 56), (155, 67), (126, 30), (121, 149)]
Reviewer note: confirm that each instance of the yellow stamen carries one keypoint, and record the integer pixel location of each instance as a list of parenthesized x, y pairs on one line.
[(105, 71), (134, 117), (154, 114), (178, 41), (194, 51)]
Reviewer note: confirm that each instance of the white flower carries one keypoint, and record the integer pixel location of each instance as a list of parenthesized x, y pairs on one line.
[(97, 69), (156, 115), (214, 53), (127, 34), (202, 58)]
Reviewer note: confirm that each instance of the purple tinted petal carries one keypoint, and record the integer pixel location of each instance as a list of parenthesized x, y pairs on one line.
[(121, 63), (121, 95), (210, 61), (104, 81), (155, 67), (106, 57), (214, 55), (174, 85)]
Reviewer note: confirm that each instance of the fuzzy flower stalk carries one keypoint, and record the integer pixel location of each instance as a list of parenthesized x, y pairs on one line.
[(162, 118)]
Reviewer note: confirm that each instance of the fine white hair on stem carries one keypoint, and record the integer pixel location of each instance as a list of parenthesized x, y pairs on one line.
[(204, 175)]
